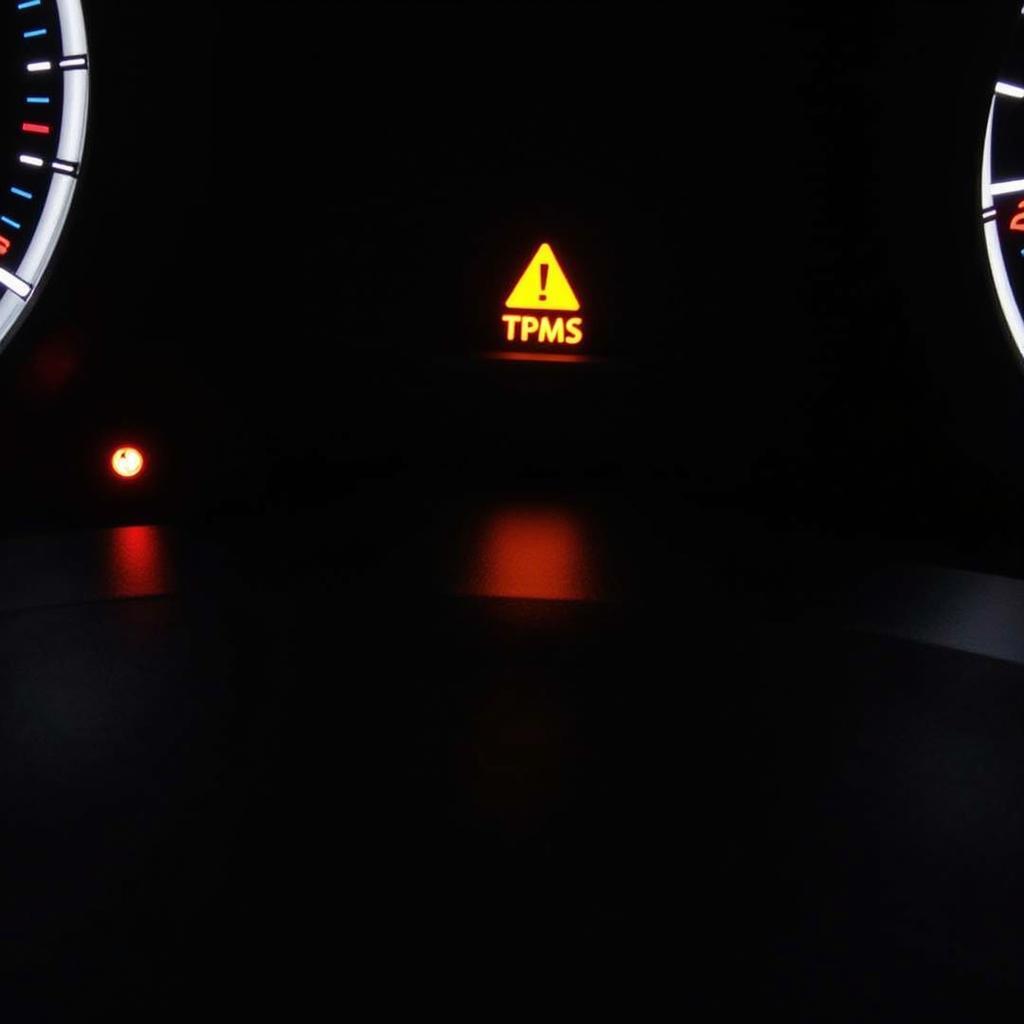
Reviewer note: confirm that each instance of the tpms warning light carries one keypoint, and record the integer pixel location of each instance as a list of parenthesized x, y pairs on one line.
[(542, 289)]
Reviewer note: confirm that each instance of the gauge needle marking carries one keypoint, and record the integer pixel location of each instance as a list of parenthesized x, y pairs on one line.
[(1005, 188), (20, 288)]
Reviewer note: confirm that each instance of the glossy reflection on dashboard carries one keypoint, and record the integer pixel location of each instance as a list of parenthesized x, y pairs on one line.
[(138, 564), (534, 552)]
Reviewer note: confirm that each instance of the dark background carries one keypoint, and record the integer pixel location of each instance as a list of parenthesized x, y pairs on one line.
[(345, 753), (297, 229)]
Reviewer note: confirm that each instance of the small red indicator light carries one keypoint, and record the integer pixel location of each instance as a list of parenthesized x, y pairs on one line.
[(36, 129), (5, 245), (127, 462)]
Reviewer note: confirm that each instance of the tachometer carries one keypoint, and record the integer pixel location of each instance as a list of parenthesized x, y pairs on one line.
[(44, 103)]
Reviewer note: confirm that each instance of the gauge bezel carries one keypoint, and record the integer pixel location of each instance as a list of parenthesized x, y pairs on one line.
[(72, 63)]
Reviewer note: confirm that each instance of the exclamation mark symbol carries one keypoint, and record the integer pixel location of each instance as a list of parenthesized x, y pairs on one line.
[(543, 282)]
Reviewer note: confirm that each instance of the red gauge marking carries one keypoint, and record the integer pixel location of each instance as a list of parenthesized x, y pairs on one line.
[(1017, 224), (36, 129)]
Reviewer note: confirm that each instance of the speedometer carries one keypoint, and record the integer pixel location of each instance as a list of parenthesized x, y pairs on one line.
[(44, 106)]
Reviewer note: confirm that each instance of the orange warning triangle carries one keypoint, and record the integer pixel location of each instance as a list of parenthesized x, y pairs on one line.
[(543, 285)]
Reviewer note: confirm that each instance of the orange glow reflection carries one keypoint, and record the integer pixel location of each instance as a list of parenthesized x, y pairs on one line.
[(537, 357), (137, 563), (538, 553)]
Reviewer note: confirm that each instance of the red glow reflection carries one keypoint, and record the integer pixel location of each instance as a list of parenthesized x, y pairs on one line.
[(535, 553), (56, 360), (138, 565)]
